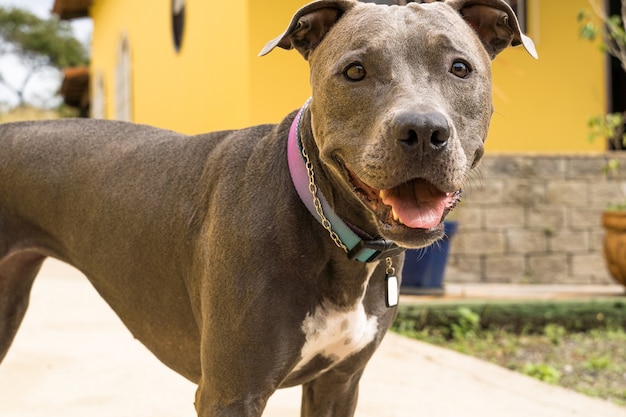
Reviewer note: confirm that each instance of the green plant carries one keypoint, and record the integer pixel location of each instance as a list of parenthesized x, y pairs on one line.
[(467, 325), (519, 317), (542, 372), (611, 126), (405, 327), (618, 206), (590, 357), (598, 363), (611, 29), (554, 332)]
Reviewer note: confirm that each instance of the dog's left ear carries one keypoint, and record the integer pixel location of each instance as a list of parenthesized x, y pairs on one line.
[(309, 26), (495, 23)]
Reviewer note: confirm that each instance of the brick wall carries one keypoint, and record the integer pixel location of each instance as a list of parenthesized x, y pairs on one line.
[(535, 219)]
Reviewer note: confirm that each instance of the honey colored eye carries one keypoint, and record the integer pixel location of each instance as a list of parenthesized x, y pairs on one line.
[(355, 72), (461, 69)]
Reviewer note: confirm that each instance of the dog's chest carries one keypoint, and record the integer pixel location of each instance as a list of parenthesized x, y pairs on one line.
[(336, 334)]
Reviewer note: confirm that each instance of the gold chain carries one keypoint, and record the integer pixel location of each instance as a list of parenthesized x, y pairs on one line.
[(317, 203)]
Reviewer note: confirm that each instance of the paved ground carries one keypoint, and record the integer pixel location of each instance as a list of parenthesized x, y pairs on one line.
[(459, 292), (73, 358)]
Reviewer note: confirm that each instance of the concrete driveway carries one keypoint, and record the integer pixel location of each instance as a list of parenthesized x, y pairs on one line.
[(73, 357)]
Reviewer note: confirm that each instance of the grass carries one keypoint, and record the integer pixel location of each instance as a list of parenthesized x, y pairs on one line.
[(22, 113), (577, 345)]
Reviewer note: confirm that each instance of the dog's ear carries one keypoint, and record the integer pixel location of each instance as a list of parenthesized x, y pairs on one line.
[(495, 23), (309, 26)]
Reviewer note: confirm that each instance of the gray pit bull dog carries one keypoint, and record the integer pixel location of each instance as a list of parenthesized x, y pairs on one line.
[(210, 247)]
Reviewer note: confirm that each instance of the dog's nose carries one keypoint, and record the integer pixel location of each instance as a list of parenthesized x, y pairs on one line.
[(423, 131)]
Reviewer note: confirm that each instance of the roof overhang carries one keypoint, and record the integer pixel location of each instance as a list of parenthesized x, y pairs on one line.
[(71, 9), (75, 87)]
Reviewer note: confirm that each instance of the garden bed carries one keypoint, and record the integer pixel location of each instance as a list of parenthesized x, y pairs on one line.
[(578, 345)]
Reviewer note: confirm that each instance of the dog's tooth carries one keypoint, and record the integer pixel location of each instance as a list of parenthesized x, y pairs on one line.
[(395, 215)]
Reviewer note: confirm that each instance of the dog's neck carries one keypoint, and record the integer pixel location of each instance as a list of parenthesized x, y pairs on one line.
[(353, 241)]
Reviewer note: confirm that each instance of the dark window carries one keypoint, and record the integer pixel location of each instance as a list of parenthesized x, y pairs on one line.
[(178, 22), (617, 79)]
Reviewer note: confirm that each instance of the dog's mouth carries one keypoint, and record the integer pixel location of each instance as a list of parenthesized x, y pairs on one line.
[(416, 204)]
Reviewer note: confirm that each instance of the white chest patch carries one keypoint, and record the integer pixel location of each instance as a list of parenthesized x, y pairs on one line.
[(336, 334)]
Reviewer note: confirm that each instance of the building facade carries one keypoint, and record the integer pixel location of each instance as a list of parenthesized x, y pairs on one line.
[(192, 66), (532, 211)]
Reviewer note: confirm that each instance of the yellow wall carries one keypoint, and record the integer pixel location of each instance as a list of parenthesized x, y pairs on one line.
[(279, 81), (543, 105), (217, 81), (203, 87)]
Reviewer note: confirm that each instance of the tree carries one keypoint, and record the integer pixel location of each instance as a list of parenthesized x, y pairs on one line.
[(38, 44)]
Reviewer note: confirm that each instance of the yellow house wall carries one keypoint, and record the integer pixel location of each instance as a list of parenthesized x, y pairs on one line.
[(217, 81), (543, 105), (204, 86), (540, 105), (280, 80)]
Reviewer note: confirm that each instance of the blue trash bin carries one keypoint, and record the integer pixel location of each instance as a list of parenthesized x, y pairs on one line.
[(424, 268)]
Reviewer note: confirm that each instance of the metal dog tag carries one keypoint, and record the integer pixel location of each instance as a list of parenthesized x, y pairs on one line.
[(391, 292)]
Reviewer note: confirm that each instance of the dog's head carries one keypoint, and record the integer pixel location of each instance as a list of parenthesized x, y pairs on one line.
[(401, 104)]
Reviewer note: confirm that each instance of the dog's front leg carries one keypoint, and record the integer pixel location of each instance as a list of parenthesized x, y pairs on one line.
[(230, 392), (237, 380), (208, 406), (247, 349), (333, 394)]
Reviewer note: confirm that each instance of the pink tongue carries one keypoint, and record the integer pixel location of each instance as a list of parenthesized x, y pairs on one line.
[(418, 204)]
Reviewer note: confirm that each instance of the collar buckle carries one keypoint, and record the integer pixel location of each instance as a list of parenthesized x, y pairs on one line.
[(374, 250)]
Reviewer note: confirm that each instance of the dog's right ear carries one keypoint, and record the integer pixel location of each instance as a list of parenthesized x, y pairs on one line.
[(309, 26)]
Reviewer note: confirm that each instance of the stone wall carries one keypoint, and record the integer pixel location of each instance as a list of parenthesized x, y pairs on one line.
[(535, 219)]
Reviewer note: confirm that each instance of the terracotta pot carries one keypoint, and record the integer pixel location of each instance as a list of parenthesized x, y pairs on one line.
[(614, 223)]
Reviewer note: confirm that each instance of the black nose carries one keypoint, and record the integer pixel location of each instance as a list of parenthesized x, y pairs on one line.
[(422, 131)]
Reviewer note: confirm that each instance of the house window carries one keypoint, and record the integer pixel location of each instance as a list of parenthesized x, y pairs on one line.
[(123, 81), (178, 22), (98, 105), (617, 80)]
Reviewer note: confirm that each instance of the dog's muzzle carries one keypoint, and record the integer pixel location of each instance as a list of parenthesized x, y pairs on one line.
[(416, 204)]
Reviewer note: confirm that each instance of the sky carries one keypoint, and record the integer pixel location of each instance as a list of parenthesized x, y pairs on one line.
[(44, 85)]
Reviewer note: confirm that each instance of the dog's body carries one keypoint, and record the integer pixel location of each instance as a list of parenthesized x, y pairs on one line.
[(203, 247)]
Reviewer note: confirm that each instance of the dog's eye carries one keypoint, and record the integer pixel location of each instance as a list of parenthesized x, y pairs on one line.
[(461, 69), (355, 72)]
